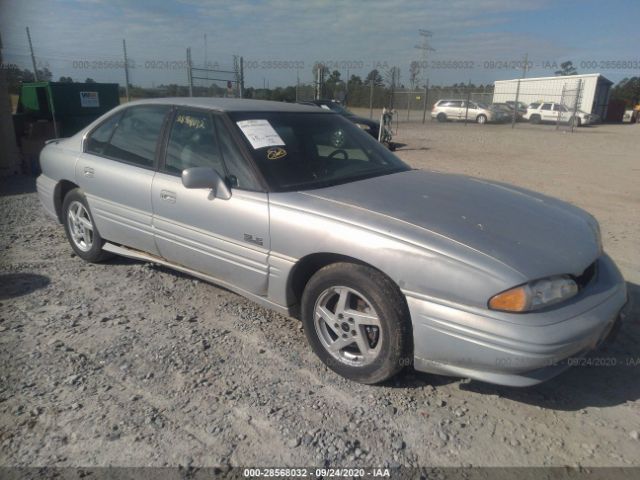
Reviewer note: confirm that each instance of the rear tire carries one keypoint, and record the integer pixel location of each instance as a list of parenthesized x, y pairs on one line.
[(80, 228), (481, 119), (442, 117), (357, 322), (535, 119)]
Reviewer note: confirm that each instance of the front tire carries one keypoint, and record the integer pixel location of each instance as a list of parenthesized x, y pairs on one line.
[(81, 229), (535, 119), (442, 117), (481, 119), (357, 322)]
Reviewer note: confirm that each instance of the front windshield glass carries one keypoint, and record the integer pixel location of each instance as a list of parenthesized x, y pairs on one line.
[(309, 150)]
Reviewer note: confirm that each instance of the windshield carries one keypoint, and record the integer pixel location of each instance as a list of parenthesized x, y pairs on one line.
[(300, 151)]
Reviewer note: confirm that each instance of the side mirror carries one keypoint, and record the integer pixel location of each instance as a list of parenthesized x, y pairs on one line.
[(206, 177)]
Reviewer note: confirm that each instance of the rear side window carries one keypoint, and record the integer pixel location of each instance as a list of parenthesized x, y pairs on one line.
[(99, 139), (136, 136)]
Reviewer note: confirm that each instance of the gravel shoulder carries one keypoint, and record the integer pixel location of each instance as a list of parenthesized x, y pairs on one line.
[(131, 364)]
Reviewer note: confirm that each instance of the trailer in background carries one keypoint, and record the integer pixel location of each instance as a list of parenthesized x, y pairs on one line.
[(593, 88)]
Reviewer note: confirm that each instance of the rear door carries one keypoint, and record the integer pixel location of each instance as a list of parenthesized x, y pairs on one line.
[(116, 170), (226, 239), (547, 114)]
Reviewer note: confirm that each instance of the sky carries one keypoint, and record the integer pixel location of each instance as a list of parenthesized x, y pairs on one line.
[(280, 40)]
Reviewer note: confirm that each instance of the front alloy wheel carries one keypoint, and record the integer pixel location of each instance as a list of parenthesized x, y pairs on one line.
[(357, 322), (348, 326)]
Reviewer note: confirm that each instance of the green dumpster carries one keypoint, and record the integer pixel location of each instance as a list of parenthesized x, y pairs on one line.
[(70, 106)]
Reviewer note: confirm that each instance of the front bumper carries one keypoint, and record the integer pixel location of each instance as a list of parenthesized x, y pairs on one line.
[(502, 348)]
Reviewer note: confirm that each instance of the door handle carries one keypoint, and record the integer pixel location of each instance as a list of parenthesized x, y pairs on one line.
[(168, 196), (88, 172)]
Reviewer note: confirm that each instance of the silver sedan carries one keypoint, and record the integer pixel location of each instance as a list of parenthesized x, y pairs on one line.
[(301, 211)]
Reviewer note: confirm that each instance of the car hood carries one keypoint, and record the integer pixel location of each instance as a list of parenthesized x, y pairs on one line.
[(536, 235)]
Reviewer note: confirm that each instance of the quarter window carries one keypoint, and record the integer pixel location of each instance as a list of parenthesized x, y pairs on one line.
[(98, 141), (136, 135)]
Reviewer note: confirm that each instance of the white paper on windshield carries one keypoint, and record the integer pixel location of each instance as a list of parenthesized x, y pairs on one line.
[(260, 133)]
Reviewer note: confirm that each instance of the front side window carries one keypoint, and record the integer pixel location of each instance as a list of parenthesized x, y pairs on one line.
[(559, 108), (193, 143), (300, 151), (546, 106), (136, 136)]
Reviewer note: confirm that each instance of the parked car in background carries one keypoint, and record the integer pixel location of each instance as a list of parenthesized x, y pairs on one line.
[(519, 106), (554, 112), (372, 127), (509, 109), (299, 210), (444, 110)]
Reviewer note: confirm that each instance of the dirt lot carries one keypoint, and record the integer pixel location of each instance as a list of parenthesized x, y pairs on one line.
[(126, 363)]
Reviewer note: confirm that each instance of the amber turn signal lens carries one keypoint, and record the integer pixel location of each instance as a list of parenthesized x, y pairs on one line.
[(514, 300)]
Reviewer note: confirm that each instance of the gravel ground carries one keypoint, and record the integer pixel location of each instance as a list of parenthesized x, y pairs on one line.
[(130, 364)]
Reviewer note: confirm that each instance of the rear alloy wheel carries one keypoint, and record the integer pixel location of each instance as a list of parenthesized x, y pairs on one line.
[(481, 119), (80, 228), (442, 117), (356, 321)]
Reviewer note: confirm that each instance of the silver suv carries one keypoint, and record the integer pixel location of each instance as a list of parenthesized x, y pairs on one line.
[(444, 110)]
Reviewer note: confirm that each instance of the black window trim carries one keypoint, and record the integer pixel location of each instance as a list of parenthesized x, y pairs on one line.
[(120, 113)]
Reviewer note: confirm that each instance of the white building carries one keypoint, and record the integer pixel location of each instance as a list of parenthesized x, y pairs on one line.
[(594, 91)]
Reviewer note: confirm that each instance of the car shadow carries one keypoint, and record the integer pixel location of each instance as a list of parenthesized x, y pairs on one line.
[(607, 377), (14, 285)]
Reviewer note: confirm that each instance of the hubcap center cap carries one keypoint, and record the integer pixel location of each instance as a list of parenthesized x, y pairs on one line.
[(345, 327)]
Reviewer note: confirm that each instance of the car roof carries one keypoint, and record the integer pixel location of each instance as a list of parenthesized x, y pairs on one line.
[(229, 104)]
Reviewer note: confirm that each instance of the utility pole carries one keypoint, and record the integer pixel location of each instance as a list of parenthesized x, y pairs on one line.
[(205, 51), (189, 72), (33, 57), (515, 105), (424, 104), (241, 77), (297, 82), (126, 70), (371, 97)]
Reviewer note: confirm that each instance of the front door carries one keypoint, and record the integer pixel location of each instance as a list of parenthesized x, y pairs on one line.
[(226, 239)]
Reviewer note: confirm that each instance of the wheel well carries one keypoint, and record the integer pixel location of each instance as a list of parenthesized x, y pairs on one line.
[(307, 267), (62, 188)]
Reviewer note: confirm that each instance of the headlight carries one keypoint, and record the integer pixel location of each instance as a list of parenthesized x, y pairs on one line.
[(363, 126), (534, 295)]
